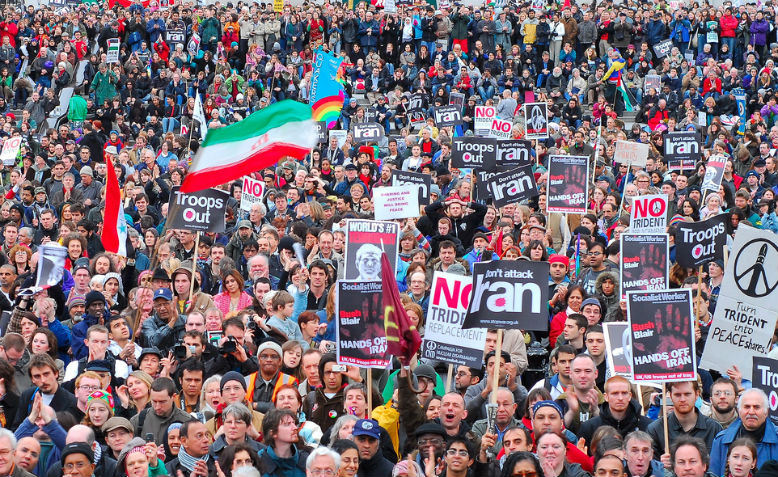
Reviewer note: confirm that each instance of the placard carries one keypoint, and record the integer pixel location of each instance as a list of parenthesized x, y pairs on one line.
[(514, 153), (367, 132), (51, 264), (662, 335), (321, 131), (481, 191), (747, 307), (447, 116), (628, 152), (643, 265), (682, 150), (418, 179), (617, 346), (396, 202), (365, 241), (652, 81), (663, 48), (697, 243), (512, 186), (765, 377), (252, 192), (457, 99), (470, 152), (568, 184), (482, 122), (648, 214), (361, 336), (536, 121), (202, 211), (10, 152), (112, 55), (714, 174), (509, 295), (444, 338), (501, 129)]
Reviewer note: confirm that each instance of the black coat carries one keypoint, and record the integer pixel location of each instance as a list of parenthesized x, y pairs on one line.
[(632, 422), (62, 401)]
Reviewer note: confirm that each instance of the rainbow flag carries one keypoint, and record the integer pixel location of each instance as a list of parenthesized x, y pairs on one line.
[(327, 93)]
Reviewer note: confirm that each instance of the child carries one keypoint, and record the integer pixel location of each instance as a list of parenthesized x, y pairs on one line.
[(282, 308)]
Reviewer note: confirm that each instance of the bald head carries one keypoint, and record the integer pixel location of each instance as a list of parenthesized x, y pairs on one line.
[(27, 453), (80, 433)]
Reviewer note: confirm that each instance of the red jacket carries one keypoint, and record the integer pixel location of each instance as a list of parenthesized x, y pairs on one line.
[(657, 118), (10, 30), (162, 49), (710, 85), (728, 24)]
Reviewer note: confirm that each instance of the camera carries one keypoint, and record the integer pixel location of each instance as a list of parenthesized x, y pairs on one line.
[(229, 346), (179, 351), (252, 325)]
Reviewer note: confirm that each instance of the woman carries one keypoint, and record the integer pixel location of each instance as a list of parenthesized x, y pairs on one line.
[(239, 455), (343, 427), (293, 353), (236, 428), (552, 451), (712, 207), (20, 258), (211, 395), (590, 222), (536, 251), (28, 324), (416, 315), (44, 342), (139, 458), (349, 457), (521, 463), (741, 458), (233, 298), (99, 408), (75, 243), (574, 295), (135, 395), (282, 457), (689, 208), (288, 397), (112, 290)]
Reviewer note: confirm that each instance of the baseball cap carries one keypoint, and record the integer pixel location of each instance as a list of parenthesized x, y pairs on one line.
[(244, 224), (367, 427), (163, 293)]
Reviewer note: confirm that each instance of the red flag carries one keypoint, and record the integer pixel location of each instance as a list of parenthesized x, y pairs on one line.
[(114, 225), (402, 338)]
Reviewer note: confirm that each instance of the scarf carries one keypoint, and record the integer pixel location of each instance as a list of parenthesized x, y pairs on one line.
[(188, 462)]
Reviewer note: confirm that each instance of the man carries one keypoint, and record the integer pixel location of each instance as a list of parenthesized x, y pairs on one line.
[(561, 358), (163, 412), (118, 432), (459, 457), (366, 434), (464, 226), (322, 461), (166, 326), (753, 409), (547, 416), (504, 418), (723, 401), (466, 377), (182, 283), (325, 404), (191, 374), (13, 348), (583, 402), (84, 436), (27, 454), (89, 187), (368, 263), (195, 440), (477, 396), (240, 359), (685, 420), (595, 347), (574, 331), (263, 384), (310, 366), (77, 460), (689, 457), (609, 465), (44, 375), (96, 342), (597, 265), (620, 411), (95, 315), (639, 455), (86, 383), (318, 286)]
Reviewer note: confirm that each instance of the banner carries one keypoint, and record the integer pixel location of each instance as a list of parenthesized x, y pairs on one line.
[(112, 55), (252, 192), (501, 129), (697, 243), (652, 81), (628, 152), (481, 192), (422, 181), (747, 308), (740, 98), (444, 338), (458, 100), (512, 186), (361, 336), (396, 202), (367, 132), (470, 152), (714, 174), (447, 116), (617, 347), (649, 214), (662, 335), (202, 211), (10, 151), (199, 115), (321, 132), (482, 122), (365, 240), (193, 45), (536, 121), (663, 48), (509, 295), (682, 150), (643, 263), (176, 36), (568, 184), (765, 377), (514, 153), (51, 264)]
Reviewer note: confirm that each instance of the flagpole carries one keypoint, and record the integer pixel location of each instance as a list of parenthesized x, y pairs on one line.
[(369, 392), (449, 375), (624, 189), (664, 418), (496, 368), (596, 152), (699, 291)]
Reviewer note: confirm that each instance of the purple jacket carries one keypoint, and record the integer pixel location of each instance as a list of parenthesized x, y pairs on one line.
[(759, 30)]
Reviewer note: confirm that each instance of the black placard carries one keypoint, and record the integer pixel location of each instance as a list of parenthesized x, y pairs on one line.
[(202, 211), (697, 243), (423, 181), (512, 186), (474, 152)]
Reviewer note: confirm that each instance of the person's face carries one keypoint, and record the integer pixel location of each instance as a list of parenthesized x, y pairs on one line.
[(287, 431), (546, 419), (97, 343), (752, 411), (118, 438), (723, 398), (583, 373), (551, 450), (98, 413), (44, 378), (77, 465), (741, 461), (136, 464), (571, 330), (447, 255), (563, 364), (618, 396), (27, 453), (349, 463), (452, 411), (40, 344), (609, 467), (683, 396), (235, 429), (197, 439), (688, 462), (457, 457), (595, 343)]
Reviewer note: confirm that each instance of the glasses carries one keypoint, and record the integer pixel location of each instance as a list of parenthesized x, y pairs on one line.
[(78, 465), (595, 254), (89, 388), (323, 472), (268, 357), (461, 452), (433, 441), (722, 393), (230, 389)]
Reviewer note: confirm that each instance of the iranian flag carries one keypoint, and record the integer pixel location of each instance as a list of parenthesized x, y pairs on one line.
[(114, 235), (279, 130)]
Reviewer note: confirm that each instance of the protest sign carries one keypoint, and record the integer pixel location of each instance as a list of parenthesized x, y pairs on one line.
[(365, 240), (481, 192), (340, 134), (663, 48), (202, 211), (447, 116), (396, 202), (628, 152), (649, 214), (112, 55), (51, 264), (458, 100), (536, 121), (747, 307), (643, 262), (661, 335), (10, 150), (765, 377), (361, 336), (422, 181), (617, 347), (682, 150), (514, 153), (509, 295), (444, 338), (500, 129), (697, 243), (714, 174), (252, 192), (568, 184), (367, 132), (471, 152), (652, 81), (321, 132), (512, 186), (176, 35), (483, 119)]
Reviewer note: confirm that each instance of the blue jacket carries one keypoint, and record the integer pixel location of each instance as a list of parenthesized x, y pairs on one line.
[(154, 33), (655, 31), (366, 40), (78, 336), (56, 433), (767, 449)]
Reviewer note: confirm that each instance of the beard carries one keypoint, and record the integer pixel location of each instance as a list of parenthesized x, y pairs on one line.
[(723, 410)]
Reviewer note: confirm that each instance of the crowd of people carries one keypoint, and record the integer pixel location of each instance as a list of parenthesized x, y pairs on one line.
[(215, 355)]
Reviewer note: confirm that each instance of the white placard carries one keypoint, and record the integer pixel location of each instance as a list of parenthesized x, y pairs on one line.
[(252, 192), (396, 202)]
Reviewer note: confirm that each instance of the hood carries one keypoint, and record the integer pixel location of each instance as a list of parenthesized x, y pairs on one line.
[(630, 421), (607, 274)]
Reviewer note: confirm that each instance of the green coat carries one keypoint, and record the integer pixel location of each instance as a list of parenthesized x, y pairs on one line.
[(104, 86), (210, 29), (77, 109)]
